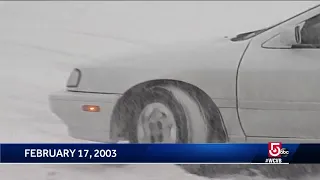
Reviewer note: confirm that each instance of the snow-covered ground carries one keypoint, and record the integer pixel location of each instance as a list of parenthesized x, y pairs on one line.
[(40, 42)]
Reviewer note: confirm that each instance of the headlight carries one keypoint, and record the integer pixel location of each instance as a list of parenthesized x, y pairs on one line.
[(74, 78)]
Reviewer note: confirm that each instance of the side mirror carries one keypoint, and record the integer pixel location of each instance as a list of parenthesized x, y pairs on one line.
[(291, 36)]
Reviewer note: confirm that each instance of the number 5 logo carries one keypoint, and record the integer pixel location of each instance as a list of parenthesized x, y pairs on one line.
[(274, 149)]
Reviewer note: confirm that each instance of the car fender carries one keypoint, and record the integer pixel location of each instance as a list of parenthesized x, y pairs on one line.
[(210, 67)]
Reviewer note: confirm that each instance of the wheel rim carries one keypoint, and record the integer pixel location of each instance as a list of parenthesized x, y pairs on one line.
[(156, 124)]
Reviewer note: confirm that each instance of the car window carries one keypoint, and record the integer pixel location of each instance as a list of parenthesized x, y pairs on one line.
[(248, 35), (310, 32)]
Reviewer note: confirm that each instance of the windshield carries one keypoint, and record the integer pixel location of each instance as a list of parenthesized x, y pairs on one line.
[(251, 34)]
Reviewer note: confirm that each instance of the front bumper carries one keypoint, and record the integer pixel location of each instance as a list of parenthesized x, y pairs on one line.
[(92, 126)]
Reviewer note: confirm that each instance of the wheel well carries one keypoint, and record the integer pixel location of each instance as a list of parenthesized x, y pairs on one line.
[(119, 115)]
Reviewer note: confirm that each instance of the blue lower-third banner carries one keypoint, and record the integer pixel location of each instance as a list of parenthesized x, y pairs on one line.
[(274, 152)]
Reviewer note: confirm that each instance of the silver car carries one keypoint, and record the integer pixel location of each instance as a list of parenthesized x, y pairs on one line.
[(258, 86)]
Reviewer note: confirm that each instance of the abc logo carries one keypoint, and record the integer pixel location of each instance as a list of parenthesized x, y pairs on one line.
[(284, 152), (276, 150)]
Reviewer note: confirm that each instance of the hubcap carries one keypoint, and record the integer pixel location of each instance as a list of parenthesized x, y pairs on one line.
[(156, 124)]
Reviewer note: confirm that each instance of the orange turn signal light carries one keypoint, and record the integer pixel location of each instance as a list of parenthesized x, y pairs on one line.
[(91, 108)]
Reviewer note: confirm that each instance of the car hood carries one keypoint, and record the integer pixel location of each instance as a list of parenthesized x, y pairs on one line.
[(201, 64), (164, 55)]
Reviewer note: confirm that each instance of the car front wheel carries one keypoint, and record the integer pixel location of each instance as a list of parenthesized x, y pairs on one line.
[(167, 114)]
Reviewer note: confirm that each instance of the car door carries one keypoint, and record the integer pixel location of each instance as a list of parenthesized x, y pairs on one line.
[(279, 86)]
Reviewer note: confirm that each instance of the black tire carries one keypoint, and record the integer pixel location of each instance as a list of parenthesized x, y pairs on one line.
[(192, 126), (191, 119)]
